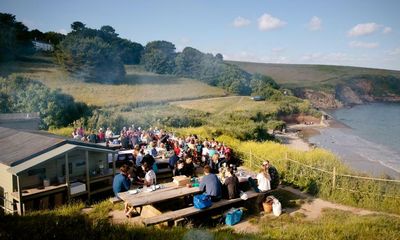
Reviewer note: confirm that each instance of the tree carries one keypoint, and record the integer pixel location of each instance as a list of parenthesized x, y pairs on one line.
[(55, 108), (188, 63), (77, 26), (91, 59), (219, 57), (15, 38), (130, 52), (108, 29), (159, 57)]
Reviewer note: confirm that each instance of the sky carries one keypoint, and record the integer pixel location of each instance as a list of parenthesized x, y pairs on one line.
[(363, 33)]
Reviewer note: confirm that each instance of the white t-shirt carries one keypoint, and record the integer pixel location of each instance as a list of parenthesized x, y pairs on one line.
[(205, 151), (150, 177), (263, 183)]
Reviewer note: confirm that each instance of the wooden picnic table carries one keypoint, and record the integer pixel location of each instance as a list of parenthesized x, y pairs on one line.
[(167, 191)]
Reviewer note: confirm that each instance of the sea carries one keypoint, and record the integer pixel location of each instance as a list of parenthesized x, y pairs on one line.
[(368, 141)]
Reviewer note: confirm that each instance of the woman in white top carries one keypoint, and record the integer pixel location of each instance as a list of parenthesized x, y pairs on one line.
[(150, 177), (263, 178)]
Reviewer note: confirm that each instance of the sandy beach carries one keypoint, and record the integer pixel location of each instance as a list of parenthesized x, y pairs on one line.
[(298, 137)]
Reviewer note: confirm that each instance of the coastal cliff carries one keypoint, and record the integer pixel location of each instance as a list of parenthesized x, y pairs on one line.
[(352, 91)]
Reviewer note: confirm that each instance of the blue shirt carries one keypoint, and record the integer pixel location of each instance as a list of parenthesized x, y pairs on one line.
[(211, 185), (121, 183), (172, 161)]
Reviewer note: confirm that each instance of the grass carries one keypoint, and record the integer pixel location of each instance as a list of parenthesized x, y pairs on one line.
[(139, 86), (334, 224), (69, 222), (296, 75), (369, 194), (227, 104)]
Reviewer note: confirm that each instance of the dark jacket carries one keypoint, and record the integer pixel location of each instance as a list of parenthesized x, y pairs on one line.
[(232, 185), (274, 177)]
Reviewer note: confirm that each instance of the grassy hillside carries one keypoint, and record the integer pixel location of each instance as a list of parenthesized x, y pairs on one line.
[(296, 75), (227, 104), (139, 86)]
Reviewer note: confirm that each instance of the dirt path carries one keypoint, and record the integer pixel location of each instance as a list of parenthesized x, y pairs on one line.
[(312, 210), (223, 110)]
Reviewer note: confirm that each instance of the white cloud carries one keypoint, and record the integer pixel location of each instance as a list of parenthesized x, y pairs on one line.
[(267, 22), (387, 30), (315, 24), (358, 44), (363, 29), (241, 22), (394, 52), (62, 31)]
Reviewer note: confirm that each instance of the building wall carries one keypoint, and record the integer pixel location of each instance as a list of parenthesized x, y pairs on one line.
[(54, 169), (6, 185)]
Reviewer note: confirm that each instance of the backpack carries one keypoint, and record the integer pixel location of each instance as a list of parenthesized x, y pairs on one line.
[(233, 216), (202, 201)]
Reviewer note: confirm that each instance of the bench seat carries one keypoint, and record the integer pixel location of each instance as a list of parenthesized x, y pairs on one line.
[(114, 200), (189, 211)]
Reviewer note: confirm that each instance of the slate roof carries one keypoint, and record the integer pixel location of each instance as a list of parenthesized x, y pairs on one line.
[(18, 146)]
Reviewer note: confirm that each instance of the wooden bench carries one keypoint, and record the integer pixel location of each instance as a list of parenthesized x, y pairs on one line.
[(190, 211), (114, 200)]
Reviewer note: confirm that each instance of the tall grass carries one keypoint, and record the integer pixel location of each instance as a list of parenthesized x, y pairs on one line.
[(370, 194), (334, 224)]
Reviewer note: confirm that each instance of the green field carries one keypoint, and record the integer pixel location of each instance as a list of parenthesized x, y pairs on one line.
[(227, 104), (139, 86), (296, 75)]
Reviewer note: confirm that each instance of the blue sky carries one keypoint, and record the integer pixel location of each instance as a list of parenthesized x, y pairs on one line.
[(354, 32)]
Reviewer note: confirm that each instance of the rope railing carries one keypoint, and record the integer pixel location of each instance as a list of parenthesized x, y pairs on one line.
[(335, 176)]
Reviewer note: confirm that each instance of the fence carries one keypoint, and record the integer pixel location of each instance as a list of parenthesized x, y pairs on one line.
[(303, 173)]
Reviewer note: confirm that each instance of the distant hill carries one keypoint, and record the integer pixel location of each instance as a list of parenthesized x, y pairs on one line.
[(330, 86)]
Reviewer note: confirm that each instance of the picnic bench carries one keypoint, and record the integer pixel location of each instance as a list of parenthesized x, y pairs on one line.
[(167, 192), (170, 217)]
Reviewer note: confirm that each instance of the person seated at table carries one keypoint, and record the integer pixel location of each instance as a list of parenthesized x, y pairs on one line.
[(273, 173), (232, 184), (211, 185), (153, 149), (179, 168), (215, 163), (189, 166), (151, 162), (264, 178), (185, 167), (121, 182), (150, 177), (173, 160)]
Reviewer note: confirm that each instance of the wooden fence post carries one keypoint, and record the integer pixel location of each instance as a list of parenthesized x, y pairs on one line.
[(334, 178), (251, 160)]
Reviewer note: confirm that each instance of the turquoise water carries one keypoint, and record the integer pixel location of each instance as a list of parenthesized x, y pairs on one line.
[(372, 137)]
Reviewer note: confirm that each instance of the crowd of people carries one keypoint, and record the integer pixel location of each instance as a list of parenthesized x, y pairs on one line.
[(186, 155)]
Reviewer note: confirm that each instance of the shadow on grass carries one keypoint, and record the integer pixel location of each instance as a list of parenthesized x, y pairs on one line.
[(137, 79), (78, 226)]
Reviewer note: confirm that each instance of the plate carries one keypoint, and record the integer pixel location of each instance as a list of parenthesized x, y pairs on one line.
[(149, 189), (131, 192)]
